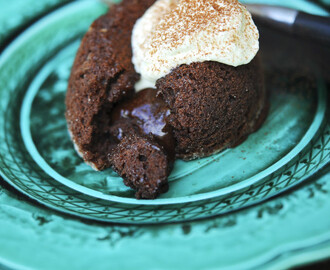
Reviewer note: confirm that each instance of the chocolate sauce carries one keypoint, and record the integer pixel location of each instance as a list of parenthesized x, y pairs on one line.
[(150, 113)]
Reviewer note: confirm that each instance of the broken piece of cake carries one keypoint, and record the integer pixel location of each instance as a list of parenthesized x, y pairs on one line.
[(155, 81)]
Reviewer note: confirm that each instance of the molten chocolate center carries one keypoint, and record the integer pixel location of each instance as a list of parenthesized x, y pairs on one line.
[(150, 113)]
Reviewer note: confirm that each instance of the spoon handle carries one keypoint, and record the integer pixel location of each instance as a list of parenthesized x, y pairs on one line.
[(314, 27)]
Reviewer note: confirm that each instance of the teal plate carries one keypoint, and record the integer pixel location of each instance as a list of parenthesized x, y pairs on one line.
[(289, 230), (26, 11), (37, 157)]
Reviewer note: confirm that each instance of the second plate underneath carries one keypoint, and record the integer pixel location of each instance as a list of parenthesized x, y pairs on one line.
[(285, 133)]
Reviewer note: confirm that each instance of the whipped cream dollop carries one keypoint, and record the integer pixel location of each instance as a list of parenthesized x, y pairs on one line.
[(176, 32)]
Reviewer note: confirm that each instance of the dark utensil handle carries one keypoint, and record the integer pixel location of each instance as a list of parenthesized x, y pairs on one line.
[(313, 27)]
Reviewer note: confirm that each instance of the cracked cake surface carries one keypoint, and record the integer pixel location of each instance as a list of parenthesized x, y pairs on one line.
[(102, 75)]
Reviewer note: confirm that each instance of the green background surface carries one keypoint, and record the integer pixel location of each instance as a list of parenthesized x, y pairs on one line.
[(291, 229)]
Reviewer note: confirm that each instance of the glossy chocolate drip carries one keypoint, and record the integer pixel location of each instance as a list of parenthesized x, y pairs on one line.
[(150, 113)]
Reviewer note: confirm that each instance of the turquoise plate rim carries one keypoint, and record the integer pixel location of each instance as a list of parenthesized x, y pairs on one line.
[(317, 121)]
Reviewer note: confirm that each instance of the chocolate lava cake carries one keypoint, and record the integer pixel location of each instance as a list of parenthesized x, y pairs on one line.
[(196, 110)]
